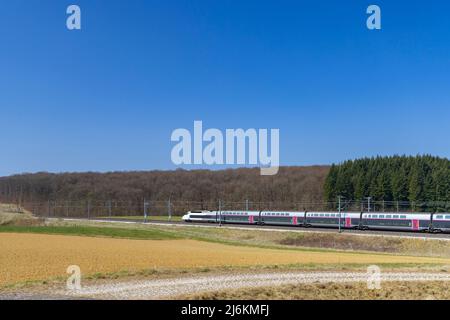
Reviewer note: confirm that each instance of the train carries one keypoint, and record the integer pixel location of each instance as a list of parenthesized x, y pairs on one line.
[(387, 221)]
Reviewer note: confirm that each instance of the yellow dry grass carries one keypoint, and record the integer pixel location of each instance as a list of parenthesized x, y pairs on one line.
[(25, 257), (11, 214)]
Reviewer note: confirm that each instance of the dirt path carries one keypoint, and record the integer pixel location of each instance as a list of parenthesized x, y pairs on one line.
[(167, 288)]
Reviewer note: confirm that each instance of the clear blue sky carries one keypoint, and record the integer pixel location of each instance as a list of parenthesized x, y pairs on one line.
[(108, 97)]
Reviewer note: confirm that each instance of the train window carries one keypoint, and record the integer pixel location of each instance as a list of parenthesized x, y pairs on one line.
[(374, 216), (402, 217), (395, 216), (381, 216), (439, 217), (447, 217), (388, 216)]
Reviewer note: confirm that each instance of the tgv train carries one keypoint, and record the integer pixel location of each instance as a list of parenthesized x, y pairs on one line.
[(425, 222)]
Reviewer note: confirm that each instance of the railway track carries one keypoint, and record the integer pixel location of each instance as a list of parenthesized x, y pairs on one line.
[(402, 234)]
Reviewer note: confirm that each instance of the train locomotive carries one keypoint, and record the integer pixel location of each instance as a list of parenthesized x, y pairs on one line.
[(394, 221)]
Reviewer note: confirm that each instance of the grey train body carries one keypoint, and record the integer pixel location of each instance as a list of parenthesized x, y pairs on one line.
[(395, 221)]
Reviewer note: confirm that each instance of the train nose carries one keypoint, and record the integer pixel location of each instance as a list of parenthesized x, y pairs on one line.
[(185, 217)]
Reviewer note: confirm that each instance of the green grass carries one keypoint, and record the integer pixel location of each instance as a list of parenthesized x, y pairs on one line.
[(147, 234), (141, 218)]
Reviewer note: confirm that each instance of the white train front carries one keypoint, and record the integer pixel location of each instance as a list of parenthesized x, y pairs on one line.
[(430, 222)]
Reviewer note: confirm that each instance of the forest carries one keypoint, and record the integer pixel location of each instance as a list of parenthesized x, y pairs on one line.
[(290, 185), (416, 179), (391, 182)]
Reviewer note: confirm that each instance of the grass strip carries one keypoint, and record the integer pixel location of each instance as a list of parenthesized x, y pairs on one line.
[(124, 233)]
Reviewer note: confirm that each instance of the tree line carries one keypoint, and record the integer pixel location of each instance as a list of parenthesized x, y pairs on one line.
[(417, 179), (290, 185)]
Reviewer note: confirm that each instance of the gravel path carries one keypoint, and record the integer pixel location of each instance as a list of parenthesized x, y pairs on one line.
[(166, 288)]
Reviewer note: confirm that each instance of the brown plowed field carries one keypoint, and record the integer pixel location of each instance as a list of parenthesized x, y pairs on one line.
[(26, 257)]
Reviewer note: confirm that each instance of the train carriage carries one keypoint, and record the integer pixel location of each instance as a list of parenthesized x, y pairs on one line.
[(279, 218), (441, 222), (396, 221), (331, 219), (432, 222)]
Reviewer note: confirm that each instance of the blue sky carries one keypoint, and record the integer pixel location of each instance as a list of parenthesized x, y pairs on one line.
[(109, 96)]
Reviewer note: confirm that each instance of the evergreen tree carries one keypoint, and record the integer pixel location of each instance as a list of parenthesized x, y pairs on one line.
[(416, 179)]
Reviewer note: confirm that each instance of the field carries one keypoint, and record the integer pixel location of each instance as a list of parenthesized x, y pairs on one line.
[(39, 256), (35, 255), (142, 219), (14, 215), (347, 291)]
